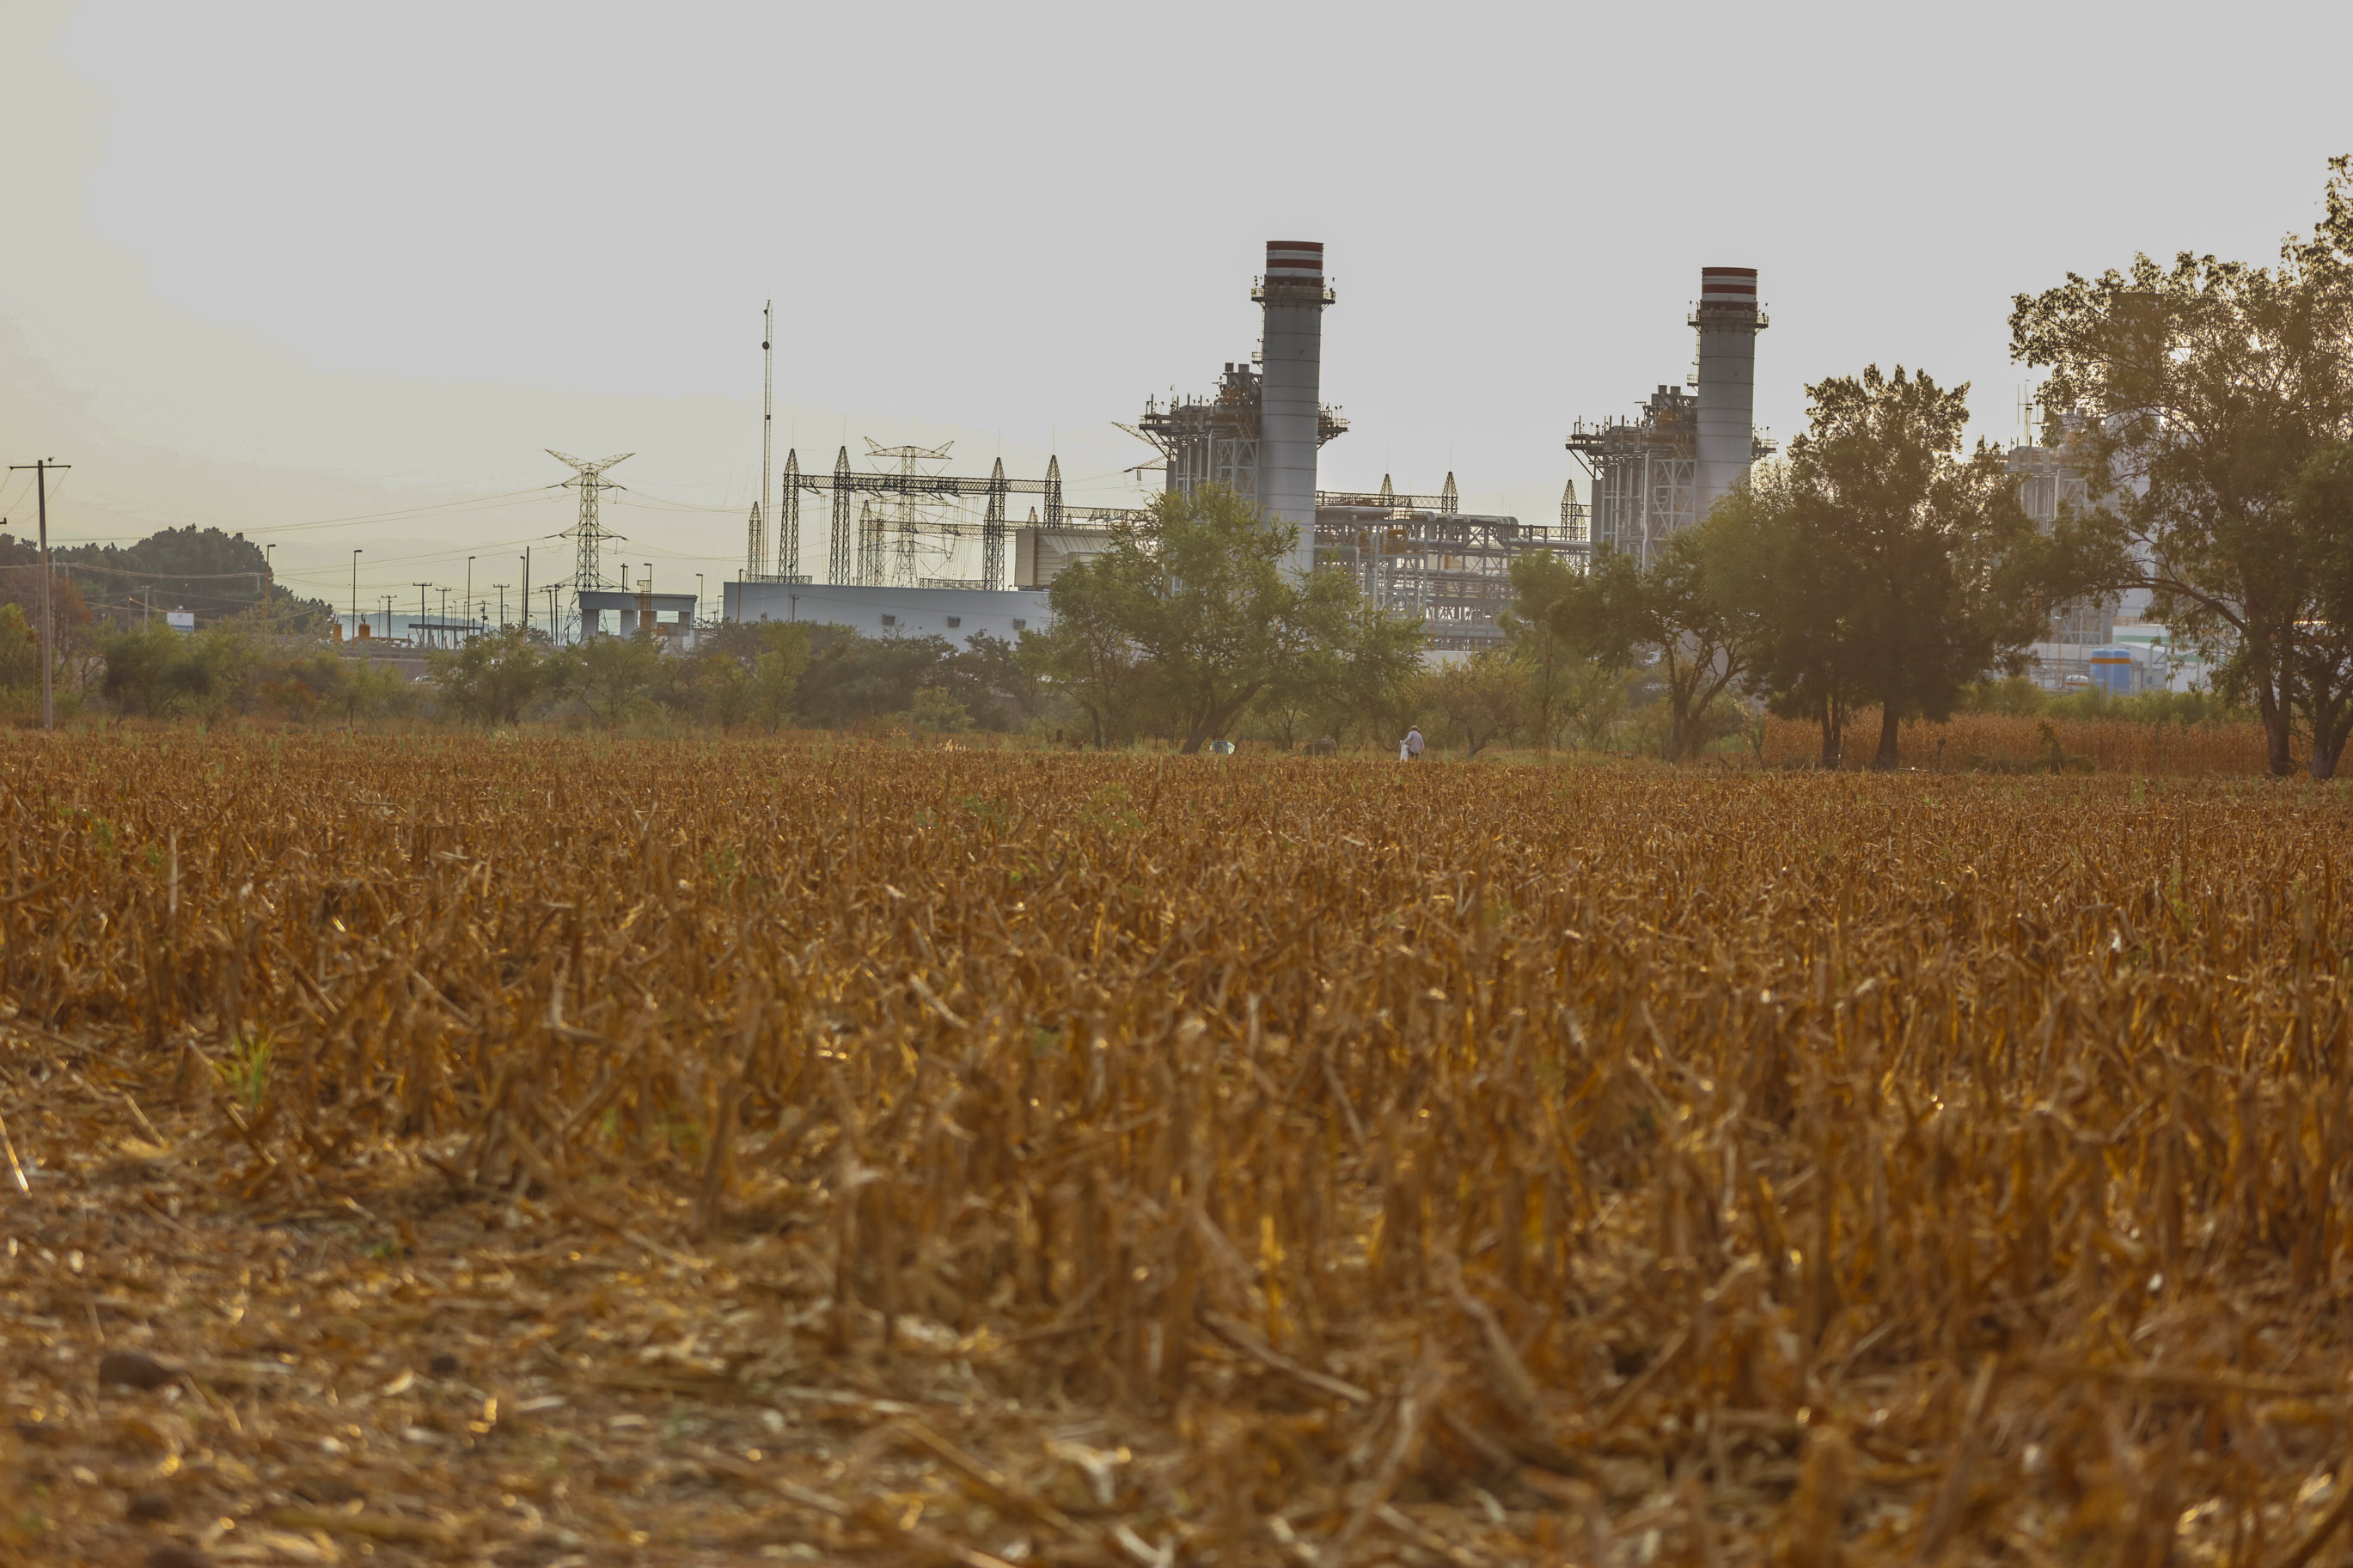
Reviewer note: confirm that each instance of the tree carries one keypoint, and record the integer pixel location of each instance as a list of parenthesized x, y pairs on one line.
[(1677, 612), (1089, 659), (2195, 398), (777, 665), (1478, 699), (850, 677), (1190, 616), (1882, 565), (614, 674), (137, 662), (1548, 658), (2319, 652), (1358, 676), (492, 678)]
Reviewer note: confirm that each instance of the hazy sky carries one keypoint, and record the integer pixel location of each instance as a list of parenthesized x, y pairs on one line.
[(275, 266)]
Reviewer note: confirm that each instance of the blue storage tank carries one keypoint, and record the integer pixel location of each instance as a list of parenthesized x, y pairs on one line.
[(2115, 671)]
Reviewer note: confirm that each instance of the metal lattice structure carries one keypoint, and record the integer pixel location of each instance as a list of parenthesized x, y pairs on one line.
[(1644, 473), (1423, 556), (879, 545), (1215, 440), (589, 534)]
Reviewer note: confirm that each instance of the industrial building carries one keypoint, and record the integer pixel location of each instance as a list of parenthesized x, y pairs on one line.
[(1662, 470), (1258, 434), (892, 526), (2108, 643)]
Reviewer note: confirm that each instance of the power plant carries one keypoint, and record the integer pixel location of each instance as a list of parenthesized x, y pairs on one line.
[(1660, 471), (893, 526)]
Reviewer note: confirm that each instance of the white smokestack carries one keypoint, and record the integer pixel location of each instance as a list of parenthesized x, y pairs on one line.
[(1290, 387), (1728, 321)]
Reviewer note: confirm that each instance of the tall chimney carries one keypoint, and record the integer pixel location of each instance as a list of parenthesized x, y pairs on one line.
[(1290, 388), (1728, 321)]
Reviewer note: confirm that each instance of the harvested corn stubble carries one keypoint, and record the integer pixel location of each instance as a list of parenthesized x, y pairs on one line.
[(532, 1150)]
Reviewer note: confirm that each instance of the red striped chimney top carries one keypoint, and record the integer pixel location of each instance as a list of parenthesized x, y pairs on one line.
[(1728, 285), (1294, 261)]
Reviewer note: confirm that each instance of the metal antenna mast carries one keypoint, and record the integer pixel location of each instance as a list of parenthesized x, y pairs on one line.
[(755, 549), (589, 534)]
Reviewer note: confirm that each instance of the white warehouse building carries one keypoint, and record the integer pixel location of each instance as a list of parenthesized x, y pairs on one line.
[(955, 614)]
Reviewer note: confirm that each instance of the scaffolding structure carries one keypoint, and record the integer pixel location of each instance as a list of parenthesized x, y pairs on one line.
[(1422, 556), (1643, 473), (1215, 440), (881, 545)]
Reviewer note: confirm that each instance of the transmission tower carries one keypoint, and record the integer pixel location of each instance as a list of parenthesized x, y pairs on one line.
[(589, 534), (904, 521)]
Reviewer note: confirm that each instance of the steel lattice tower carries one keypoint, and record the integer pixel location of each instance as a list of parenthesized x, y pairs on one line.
[(589, 534), (789, 522)]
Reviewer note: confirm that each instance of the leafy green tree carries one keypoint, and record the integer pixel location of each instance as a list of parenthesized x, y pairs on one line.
[(20, 650), (20, 666), (2196, 399), (775, 675), (1476, 700), (1190, 616), (138, 662), (1532, 629), (492, 678), (990, 680), (850, 677), (1089, 659), (1676, 613), (936, 712), (2318, 653), (370, 690), (614, 676), (1361, 677), (1883, 563)]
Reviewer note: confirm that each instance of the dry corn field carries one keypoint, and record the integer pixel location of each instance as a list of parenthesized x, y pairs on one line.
[(2007, 742), (543, 1151)]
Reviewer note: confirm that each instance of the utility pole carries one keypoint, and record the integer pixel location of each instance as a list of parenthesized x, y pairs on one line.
[(42, 479), (526, 590), (355, 601), (469, 598), (502, 604), (698, 602), (269, 587), (416, 632)]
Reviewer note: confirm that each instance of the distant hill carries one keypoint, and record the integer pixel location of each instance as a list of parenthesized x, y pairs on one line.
[(201, 570)]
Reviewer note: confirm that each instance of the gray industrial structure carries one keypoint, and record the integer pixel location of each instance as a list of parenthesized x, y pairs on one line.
[(1662, 470), (1257, 434)]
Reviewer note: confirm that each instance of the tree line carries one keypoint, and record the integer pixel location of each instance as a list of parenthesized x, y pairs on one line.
[(1883, 566)]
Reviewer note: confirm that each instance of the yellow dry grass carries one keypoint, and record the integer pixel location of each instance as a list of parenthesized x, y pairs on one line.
[(2005, 742), (537, 1152)]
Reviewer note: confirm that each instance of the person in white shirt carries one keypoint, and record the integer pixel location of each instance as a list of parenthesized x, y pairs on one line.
[(1410, 751)]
